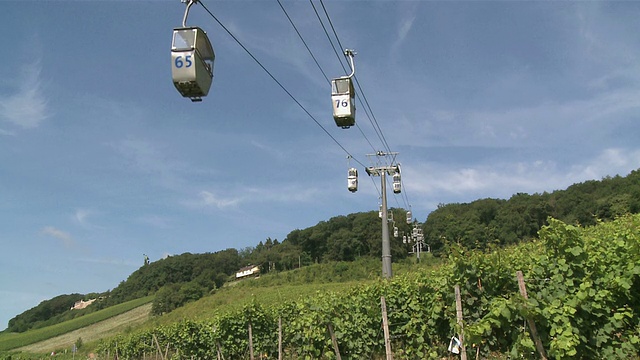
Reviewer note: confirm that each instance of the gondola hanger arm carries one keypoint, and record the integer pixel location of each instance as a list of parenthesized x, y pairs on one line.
[(350, 54), (186, 12)]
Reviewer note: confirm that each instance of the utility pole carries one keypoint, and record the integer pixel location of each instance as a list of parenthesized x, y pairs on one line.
[(382, 171)]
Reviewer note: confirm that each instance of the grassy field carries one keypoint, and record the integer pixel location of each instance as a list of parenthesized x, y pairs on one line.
[(11, 341), (112, 326)]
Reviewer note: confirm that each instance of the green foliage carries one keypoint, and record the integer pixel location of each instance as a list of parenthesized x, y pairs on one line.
[(482, 223), (79, 343), (591, 303), (341, 238), (583, 295), (582, 282), (205, 269), (172, 296)]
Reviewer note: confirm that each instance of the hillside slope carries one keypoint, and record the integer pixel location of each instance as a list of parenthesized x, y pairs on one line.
[(109, 327)]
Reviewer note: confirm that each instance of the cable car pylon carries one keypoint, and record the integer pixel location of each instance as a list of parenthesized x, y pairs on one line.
[(192, 59), (343, 96), (383, 171)]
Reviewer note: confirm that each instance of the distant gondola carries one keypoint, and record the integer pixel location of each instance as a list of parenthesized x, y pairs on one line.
[(352, 179)]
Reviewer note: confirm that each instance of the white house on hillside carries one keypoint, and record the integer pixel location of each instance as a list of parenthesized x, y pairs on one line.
[(80, 304), (248, 271)]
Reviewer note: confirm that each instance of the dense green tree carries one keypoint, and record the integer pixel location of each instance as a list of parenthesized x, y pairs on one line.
[(167, 299), (488, 221), (43, 312)]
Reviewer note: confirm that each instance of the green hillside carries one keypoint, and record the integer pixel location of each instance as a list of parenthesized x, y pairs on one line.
[(10, 341), (270, 289), (479, 225), (341, 255), (582, 284)]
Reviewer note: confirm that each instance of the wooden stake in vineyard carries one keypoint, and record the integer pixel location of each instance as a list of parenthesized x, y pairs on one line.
[(532, 325), (279, 337), (463, 349), (250, 342), (334, 341), (385, 327)]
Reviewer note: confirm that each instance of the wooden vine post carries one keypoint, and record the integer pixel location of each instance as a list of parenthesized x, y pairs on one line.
[(334, 341), (219, 351), (279, 337), (463, 349), (250, 343), (385, 328), (532, 325), (158, 350)]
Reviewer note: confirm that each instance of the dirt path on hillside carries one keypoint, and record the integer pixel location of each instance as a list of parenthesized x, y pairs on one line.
[(111, 326)]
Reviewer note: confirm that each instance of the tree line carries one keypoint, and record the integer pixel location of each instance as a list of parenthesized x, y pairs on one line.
[(490, 222)]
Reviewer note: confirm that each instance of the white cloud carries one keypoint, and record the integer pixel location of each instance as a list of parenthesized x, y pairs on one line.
[(27, 107), (438, 183), (65, 237), (7, 133), (156, 221), (610, 162), (404, 28), (275, 152), (209, 199), (408, 12), (145, 157), (81, 215), (544, 124), (282, 193), (106, 261)]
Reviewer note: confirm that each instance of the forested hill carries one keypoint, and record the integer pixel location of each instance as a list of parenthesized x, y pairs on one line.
[(184, 277), (501, 222), (487, 222)]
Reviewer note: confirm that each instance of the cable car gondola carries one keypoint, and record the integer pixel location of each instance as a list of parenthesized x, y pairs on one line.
[(343, 97), (397, 181), (352, 180), (397, 187), (192, 59)]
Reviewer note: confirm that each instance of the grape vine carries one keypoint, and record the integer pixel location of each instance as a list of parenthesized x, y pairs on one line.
[(583, 286)]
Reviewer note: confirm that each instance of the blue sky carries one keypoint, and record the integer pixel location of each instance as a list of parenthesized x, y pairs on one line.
[(103, 161)]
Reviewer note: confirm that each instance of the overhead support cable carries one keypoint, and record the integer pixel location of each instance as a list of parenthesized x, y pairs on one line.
[(328, 36), (278, 82), (304, 42)]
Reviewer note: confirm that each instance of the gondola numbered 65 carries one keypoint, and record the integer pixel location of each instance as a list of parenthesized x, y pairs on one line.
[(192, 59)]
